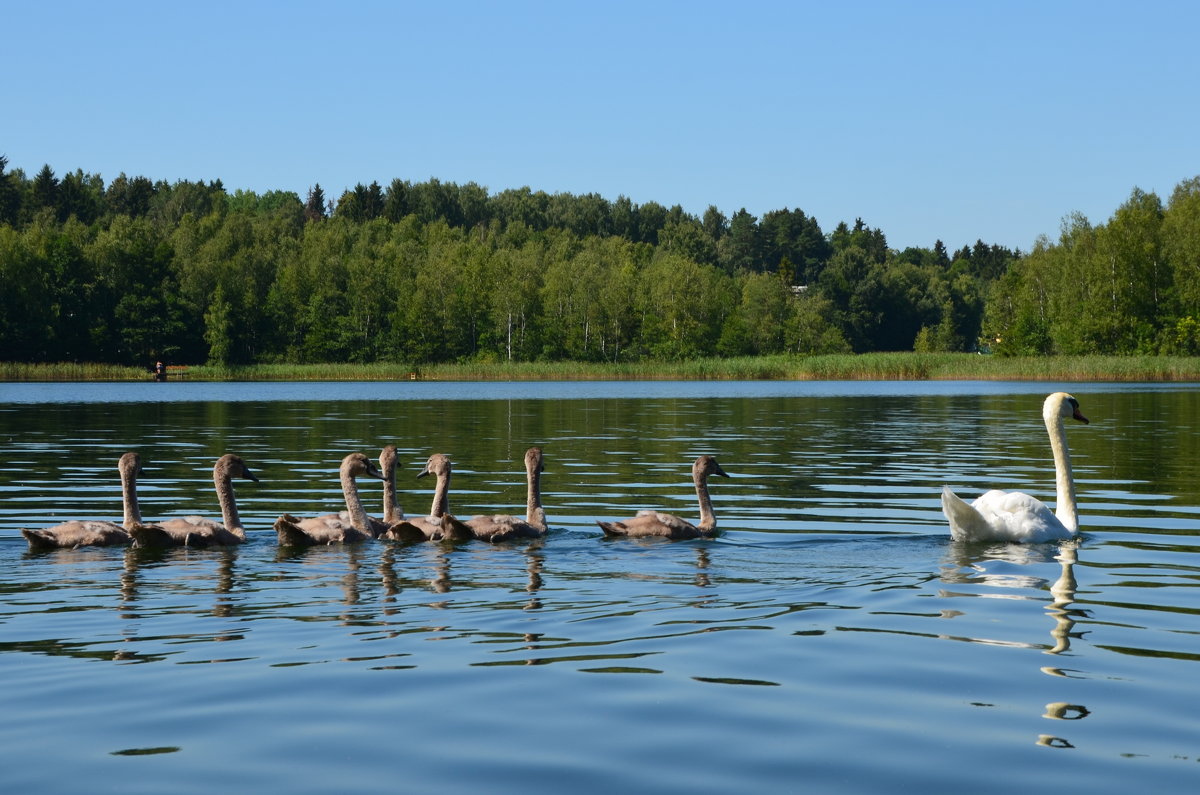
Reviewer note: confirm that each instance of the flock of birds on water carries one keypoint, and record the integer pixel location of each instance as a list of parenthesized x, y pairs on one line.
[(994, 516)]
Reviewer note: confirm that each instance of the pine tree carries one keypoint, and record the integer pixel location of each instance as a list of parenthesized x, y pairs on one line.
[(314, 207)]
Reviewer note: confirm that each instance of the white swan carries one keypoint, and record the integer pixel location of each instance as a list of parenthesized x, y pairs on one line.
[(199, 531), (653, 523), (439, 525), (501, 527), (1014, 516), (94, 532), (349, 526)]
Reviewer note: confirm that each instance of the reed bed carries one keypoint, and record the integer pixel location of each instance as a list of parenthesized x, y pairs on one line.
[(70, 371), (973, 367), (848, 367)]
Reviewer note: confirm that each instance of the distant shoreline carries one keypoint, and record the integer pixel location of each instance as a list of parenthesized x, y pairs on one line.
[(836, 367)]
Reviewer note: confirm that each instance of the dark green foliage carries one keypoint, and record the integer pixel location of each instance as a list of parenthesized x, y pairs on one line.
[(80, 196), (10, 197), (438, 272), (130, 197), (740, 249), (797, 238), (940, 257), (364, 203), (314, 205), (43, 192), (872, 241)]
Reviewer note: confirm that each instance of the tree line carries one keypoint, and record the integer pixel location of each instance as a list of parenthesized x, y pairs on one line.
[(136, 270), (1131, 285)]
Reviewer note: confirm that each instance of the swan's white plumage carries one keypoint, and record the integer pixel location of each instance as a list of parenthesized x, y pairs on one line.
[(1002, 516), (1013, 515)]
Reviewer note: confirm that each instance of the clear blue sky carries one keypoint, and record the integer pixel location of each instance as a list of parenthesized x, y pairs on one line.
[(955, 120)]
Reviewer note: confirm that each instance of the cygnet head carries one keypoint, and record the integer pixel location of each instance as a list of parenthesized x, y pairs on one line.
[(130, 462), (707, 465), (438, 464), (357, 464), (387, 458), (233, 466)]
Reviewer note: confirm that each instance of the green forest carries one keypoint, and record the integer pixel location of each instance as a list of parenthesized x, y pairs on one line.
[(137, 270)]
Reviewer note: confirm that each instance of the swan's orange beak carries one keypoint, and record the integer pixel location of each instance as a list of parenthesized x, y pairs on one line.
[(1079, 417)]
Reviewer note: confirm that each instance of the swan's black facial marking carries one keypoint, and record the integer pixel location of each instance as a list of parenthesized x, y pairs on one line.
[(1075, 414)]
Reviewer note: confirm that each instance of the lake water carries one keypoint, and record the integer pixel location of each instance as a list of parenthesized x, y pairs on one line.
[(831, 639)]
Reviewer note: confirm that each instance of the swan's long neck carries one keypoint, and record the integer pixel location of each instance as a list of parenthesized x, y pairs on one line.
[(133, 514), (534, 514), (1064, 479), (441, 495), (708, 520), (354, 506), (229, 512), (392, 512)]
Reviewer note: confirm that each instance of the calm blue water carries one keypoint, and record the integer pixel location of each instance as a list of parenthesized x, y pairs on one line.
[(832, 639), (183, 391)]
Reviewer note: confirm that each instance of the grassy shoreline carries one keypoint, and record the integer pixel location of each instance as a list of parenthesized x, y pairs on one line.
[(861, 367)]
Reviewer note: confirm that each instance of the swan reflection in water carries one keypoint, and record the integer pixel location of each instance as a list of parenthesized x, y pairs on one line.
[(1063, 595), (436, 557), (535, 562), (393, 555), (702, 564), (387, 576), (224, 602), (318, 559), (137, 559), (350, 587), (992, 567), (442, 582)]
